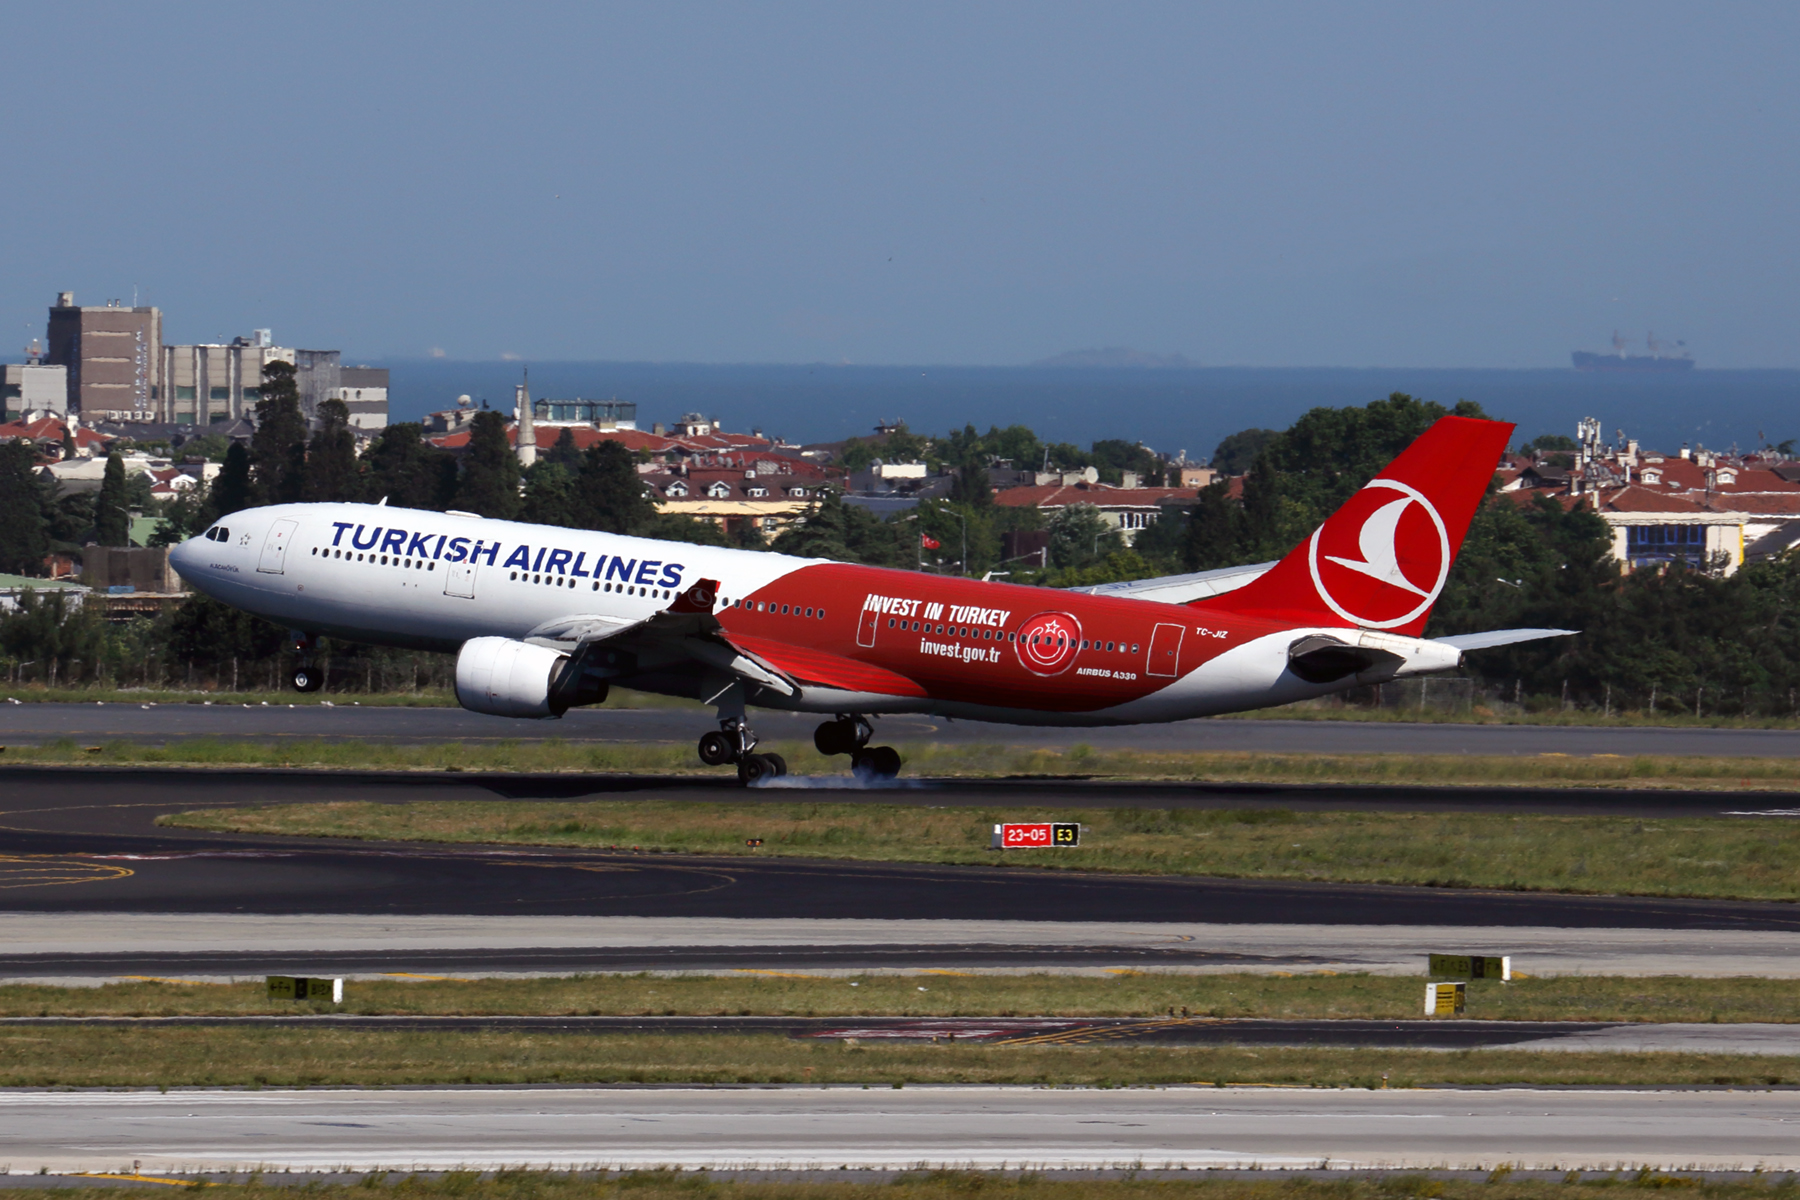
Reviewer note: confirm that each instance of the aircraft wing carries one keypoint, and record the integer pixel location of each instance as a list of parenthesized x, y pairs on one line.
[(1181, 589), (1501, 637), (686, 631)]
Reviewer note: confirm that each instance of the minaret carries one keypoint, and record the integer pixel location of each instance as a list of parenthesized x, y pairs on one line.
[(527, 435)]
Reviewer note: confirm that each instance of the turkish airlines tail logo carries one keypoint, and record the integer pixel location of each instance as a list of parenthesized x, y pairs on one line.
[(1381, 560)]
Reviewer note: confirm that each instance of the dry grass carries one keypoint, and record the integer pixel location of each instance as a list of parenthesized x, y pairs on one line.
[(192, 1056), (1749, 858), (942, 1185), (1564, 998)]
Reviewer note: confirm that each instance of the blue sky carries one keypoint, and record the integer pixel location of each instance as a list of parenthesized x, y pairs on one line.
[(1266, 184)]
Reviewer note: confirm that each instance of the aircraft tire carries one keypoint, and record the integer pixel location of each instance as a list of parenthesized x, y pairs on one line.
[(877, 762), (754, 768), (779, 762), (835, 737), (715, 749), (307, 679)]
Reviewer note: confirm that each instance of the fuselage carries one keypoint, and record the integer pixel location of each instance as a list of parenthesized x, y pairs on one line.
[(884, 640)]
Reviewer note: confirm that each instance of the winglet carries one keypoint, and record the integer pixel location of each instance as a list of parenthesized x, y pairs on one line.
[(697, 599), (1380, 561)]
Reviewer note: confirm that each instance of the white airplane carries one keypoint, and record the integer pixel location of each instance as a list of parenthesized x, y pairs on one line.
[(543, 618)]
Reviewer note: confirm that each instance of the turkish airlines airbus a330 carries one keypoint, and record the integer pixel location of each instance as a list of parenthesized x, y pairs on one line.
[(542, 619)]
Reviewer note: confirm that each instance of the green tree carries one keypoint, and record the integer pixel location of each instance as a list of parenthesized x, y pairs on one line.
[(1080, 536), (970, 486), (490, 471), (112, 522), (407, 471), (278, 447), (331, 469), (1114, 456), (1235, 454), (550, 496), (565, 453), (231, 488), (24, 535), (609, 495)]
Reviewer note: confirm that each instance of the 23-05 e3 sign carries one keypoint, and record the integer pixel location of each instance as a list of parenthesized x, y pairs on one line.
[(1036, 835)]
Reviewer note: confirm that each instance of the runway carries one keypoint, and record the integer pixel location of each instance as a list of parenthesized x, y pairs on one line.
[(83, 845), (35, 723), (1192, 1128)]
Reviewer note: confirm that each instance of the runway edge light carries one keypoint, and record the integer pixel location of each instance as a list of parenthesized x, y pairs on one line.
[(1469, 966)]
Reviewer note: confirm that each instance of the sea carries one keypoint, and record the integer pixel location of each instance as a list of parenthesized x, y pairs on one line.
[(1167, 409)]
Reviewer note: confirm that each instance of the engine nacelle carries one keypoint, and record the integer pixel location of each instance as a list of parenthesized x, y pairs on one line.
[(508, 678)]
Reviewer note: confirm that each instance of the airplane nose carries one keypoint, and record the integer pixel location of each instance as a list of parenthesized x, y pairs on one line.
[(182, 556)]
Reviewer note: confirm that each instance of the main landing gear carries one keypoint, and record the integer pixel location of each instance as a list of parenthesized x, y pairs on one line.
[(734, 743), (850, 734), (307, 678)]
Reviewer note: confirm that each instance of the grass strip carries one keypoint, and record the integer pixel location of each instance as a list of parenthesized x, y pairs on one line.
[(177, 1056), (970, 761), (1749, 858), (1502, 1184), (946, 994)]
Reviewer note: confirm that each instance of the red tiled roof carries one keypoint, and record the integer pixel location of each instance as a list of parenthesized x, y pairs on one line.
[(1058, 495), (1636, 498)]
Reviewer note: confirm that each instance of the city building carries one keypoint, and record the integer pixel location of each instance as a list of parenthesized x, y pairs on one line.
[(112, 355), (599, 414), (210, 382), (364, 391), (34, 387), (1711, 511), (731, 491)]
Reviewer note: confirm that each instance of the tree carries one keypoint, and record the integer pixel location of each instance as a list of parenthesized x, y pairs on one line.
[(24, 538), (278, 447), (970, 486), (550, 495), (609, 496), (490, 471), (1114, 456), (565, 453), (331, 470), (112, 522), (1081, 536), (231, 489), (1234, 455), (408, 471), (1212, 533)]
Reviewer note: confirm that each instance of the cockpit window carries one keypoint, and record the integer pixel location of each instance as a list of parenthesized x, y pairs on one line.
[(219, 533)]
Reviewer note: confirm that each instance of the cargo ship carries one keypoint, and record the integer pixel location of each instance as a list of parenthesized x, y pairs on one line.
[(1662, 357)]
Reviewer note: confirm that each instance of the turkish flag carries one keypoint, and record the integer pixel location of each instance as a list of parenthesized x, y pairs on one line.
[(929, 542)]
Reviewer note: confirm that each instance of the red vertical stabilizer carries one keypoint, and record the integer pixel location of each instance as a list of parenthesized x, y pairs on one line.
[(1381, 560)]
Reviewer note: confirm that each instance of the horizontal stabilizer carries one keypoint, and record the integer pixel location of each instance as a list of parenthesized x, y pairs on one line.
[(1501, 637), (1180, 589)]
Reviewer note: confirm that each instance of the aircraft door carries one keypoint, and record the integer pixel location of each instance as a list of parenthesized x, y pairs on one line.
[(274, 551), (865, 627), (459, 579), (1165, 651)]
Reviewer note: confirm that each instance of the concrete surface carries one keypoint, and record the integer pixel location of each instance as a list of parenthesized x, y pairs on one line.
[(78, 946), (982, 1127)]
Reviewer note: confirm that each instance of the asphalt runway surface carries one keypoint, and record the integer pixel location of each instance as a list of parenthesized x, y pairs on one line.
[(35, 723), (86, 842), (404, 1129)]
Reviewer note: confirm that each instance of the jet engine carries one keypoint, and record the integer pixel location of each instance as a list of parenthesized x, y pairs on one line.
[(508, 678)]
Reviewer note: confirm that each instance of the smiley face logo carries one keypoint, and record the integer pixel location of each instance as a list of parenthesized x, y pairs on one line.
[(1382, 559), (1048, 642)]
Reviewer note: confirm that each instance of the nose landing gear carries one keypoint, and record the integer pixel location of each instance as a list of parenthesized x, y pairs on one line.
[(306, 678), (850, 734), (735, 743)]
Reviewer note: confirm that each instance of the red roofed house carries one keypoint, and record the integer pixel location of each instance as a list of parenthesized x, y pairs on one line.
[(1127, 509), (1711, 510)]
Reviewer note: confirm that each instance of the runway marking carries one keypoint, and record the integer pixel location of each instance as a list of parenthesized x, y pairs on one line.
[(188, 1183), (43, 870), (776, 974)]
